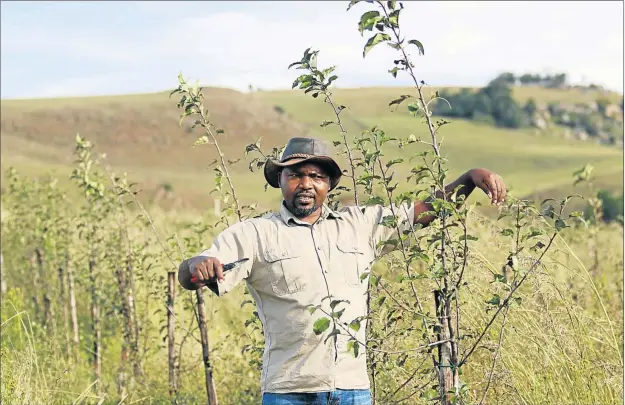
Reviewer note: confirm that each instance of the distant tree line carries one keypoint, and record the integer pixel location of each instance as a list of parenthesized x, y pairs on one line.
[(528, 79), (495, 105), (492, 104), (549, 81)]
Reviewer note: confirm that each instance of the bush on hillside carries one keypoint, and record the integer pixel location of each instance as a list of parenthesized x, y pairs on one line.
[(611, 207), (494, 101)]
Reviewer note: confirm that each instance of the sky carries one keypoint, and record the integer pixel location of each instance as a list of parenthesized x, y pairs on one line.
[(64, 49)]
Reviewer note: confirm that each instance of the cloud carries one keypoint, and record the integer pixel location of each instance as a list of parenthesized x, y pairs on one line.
[(78, 86), (234, 44)]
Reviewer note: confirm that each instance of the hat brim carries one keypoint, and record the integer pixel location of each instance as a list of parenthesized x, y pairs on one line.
[(272, 168)]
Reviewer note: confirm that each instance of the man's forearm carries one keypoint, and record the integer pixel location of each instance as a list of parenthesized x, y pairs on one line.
[(465, 190)]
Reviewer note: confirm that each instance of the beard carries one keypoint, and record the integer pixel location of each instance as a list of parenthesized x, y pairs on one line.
[(302, 212)]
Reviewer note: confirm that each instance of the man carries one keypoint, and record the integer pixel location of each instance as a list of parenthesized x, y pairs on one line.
[(302, 254)]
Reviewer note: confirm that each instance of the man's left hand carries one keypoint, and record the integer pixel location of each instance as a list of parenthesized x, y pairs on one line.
[(491, 183)]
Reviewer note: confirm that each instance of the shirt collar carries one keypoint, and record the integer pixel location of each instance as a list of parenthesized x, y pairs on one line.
[(288, 218)]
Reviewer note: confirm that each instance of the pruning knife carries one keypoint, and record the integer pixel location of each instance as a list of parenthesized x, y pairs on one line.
[(226, 267)]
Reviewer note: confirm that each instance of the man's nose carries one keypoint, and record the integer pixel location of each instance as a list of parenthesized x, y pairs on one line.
[(305, 182)]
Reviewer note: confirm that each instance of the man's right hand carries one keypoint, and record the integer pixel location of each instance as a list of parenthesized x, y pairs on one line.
[(193, 272)]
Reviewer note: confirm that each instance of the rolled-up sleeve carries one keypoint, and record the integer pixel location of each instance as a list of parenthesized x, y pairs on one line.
[(236, 242), (379, 223)]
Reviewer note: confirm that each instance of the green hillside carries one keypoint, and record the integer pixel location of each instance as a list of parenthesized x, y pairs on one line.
[(140, 135)]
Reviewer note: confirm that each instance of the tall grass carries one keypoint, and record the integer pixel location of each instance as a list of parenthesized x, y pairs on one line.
[(562, 345)]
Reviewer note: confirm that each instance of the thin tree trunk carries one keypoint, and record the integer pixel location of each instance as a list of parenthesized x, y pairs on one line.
[(37, 287), (448, 379), (133, 318), (208, 369), (95, 322), (371, 353), (63, 301), (49, 314), (126, 331), (171, 284), (72, 306), (47, 302), (3, 282)]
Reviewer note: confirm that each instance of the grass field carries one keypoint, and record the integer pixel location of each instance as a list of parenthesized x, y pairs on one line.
[(563, 344), (140, 135)]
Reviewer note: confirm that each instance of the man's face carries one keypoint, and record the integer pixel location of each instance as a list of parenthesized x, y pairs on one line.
[(304, 188)]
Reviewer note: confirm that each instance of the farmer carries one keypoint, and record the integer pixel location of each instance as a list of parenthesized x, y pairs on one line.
[(302, 254)]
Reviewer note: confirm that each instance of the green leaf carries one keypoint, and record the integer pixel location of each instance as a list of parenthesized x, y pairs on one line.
[(500, 278), (413, 108), (354, 346), (560, 224), (394, 161), (334, 303), (513, 262), (533, 233), (326, 123), (495, 300), (202, 140), (418, 45), (548, 211), (321, 325), (507, 232), (375, 200), (394, 71), (327, 71), (393, 18), (399, 100), (373, 41), (355, 325), (368, 20), (331, 79), (294, 64), (352, 3), (502, 215), (389, 221)]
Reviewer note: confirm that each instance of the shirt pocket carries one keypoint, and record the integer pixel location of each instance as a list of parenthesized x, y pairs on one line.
[(285, 271), (351, 260)]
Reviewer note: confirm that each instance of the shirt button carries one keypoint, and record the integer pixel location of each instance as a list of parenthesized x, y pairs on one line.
[(318, 247)]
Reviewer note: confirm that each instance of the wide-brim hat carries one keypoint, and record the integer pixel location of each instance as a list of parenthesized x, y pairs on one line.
[(299, 150)]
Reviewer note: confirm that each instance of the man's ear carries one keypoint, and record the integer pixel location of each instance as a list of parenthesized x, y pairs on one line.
[(279, 176)]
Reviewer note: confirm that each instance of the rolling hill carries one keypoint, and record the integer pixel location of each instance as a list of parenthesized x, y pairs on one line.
[(140, 135)]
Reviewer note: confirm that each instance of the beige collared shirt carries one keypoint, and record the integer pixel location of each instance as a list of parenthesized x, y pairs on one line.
[(294, 264)]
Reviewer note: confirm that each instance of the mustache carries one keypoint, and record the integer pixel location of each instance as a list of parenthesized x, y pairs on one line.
[(308, 195)]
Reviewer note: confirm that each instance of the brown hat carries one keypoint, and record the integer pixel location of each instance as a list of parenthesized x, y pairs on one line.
[(300, 150)]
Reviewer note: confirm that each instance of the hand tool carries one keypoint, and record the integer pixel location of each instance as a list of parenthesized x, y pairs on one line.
[(226, 267)]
